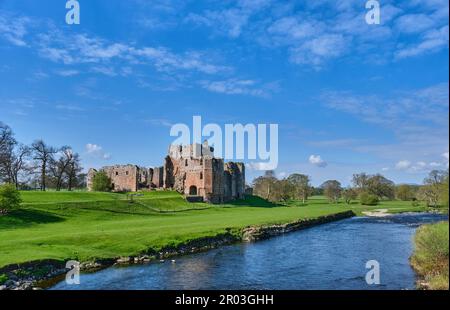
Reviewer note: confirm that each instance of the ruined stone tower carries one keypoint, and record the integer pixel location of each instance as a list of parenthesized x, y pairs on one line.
[(191, 170)]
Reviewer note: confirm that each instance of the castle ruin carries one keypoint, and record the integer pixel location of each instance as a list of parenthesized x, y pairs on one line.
[(192, 170)]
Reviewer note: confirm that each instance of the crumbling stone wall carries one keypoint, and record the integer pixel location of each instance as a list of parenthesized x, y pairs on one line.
[(234, 179), (124, 178), (191, 170), (157, 178), (90, 177)]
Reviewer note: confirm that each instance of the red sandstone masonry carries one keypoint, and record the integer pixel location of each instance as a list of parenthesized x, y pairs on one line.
[(191, 170)]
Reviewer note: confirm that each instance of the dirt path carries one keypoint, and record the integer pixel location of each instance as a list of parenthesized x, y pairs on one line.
[(376, 213)]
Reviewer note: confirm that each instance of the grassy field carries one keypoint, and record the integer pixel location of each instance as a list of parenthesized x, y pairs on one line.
[(430, 258), (393, 207), (86, 226)]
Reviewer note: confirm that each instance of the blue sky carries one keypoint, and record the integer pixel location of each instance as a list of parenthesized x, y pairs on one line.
[(348, 96)]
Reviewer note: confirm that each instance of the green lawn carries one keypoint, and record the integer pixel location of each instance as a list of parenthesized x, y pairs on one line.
[(86, 226), (35, 197)]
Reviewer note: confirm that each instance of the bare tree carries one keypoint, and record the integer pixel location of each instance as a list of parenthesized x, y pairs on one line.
[(43, 155), (73, 170), (60, 167), (7, 144), (19, 164), (360, 181)]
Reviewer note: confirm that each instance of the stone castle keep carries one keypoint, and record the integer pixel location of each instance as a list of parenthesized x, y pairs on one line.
[(191, 170)]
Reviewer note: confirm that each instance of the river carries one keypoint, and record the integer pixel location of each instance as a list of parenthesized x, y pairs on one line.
[(330, 256)]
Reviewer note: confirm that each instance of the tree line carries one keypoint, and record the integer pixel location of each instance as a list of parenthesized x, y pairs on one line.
[(369, 189), (39, 165)]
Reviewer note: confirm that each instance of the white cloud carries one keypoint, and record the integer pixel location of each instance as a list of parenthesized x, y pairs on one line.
[(316, 160), (14, 28), (165, 60), (240, 87), (97, 151), (79, 48), (403, 165), (59, 46), (312, 37), (419, 166), (316, 51), (229, 21), (432, 41), (291, 28), (435, 164), (413, 23)]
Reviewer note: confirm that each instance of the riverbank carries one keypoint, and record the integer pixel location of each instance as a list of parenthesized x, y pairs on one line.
[(98, 229), (324, 257), (37, 275), (431, 256)]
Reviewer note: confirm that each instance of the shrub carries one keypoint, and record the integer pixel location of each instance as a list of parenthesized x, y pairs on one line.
[(9, 198), (431, 254), (101, 182), (368, 199)]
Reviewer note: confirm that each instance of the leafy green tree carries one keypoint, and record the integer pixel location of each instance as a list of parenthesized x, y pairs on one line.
[(368, 199), (404, 192), (332, 190), (349, 194), (101, 182), (284, 190), (265, 186), (301, 185), (375, 184), (9, 198), (381, 187), (434, 191)]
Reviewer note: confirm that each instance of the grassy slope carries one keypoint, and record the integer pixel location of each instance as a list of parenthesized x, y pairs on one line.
[(430, 258), (84, 225)]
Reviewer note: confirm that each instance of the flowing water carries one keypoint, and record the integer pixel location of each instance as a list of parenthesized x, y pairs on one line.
[(330, 256)]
